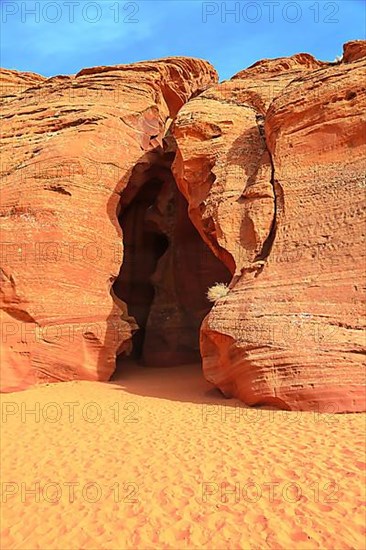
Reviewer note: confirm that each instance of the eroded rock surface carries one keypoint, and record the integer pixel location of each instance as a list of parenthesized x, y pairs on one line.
[(280, 198), (13, 83), (271, 164), (354, 50), (69, 146)]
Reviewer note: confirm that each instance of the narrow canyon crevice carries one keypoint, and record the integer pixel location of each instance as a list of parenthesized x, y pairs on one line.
[(167, 268), (278, 201)]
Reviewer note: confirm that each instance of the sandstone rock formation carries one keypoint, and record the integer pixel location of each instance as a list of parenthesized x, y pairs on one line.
[(14, 82), (271, 166), (280, 199), (352, 51), (69, 147)]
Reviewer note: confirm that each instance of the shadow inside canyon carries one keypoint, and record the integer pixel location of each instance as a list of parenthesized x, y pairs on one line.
[(164, 277), (184, 384)]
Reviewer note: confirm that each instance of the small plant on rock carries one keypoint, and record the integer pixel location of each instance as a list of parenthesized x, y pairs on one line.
[(217, 291)]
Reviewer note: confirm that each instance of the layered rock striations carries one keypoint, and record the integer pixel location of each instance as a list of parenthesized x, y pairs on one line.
[(13, 83), (281, 200), (270, 168), (69, 147)]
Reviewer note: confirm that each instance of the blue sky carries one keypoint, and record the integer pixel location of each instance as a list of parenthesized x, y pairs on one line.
[(64, 36)]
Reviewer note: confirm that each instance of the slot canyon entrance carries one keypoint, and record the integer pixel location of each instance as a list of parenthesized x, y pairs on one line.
[(167, 268)]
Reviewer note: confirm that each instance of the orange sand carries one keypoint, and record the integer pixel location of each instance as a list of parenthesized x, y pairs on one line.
[(168, 441)]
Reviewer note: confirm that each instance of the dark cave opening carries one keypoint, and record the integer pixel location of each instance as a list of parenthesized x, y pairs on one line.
[(167, 268), (143, 246)]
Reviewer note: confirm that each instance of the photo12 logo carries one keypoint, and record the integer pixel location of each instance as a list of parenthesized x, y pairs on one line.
[(54, 252), (53, 412), (251, 416), (273, 491), (270, 12), (69, 491), (69, 11)]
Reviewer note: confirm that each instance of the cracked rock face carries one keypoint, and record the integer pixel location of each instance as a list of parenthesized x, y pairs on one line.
[(280, 198), (271, 164)]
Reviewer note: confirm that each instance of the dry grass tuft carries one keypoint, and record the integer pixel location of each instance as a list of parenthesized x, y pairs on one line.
[(217, 291)]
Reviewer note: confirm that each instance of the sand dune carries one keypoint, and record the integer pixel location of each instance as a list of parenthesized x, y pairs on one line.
[(157, 459)]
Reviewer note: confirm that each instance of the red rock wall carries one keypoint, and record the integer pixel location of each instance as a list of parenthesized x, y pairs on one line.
[(281, 200), (271, 164), (69, 148), (13, 83)]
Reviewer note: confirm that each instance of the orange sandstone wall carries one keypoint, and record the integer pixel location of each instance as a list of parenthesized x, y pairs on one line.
[(272, 164), (69, 146)]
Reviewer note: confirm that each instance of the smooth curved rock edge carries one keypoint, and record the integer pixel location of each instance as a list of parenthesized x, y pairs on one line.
[(271, 163)]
